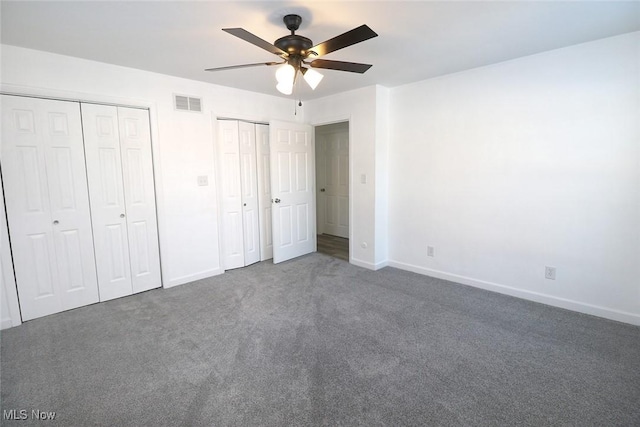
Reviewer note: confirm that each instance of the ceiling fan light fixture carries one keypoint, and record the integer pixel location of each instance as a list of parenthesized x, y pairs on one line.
[(312, 77)]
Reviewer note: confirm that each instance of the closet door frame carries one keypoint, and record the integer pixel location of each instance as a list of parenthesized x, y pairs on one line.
[(121, 189), (89, 98)]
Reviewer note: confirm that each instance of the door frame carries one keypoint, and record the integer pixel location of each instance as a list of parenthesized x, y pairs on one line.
[(321, 198), (349, 120)]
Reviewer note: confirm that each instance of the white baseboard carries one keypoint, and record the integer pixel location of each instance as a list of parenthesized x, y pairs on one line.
[(368, 265), (192, 277), (8, 323), (594, 310)]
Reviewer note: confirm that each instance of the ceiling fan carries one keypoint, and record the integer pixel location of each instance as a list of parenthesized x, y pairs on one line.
[(295, 50)]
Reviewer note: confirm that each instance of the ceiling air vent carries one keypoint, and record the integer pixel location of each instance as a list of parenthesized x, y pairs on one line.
[(187, 103)]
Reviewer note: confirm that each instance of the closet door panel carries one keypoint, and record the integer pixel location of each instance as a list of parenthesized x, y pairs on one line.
[(47, 205), (231, 192), (28, 208), (249, 186), (69, 201), (264, 191), (108, 209), (139, 192)]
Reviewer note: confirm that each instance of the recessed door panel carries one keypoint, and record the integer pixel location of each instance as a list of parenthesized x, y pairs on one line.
[(140, 258), (39, 249), (29, 170), (117, 265), (69, 249), (135, 175), (64, 198)]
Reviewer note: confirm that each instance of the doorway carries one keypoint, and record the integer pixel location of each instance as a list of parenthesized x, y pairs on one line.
[(332, 179)]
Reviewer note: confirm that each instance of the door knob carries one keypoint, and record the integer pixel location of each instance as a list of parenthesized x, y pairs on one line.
[(244, 204), (322, 190), (277, 200), (56, 222), (121, 215)]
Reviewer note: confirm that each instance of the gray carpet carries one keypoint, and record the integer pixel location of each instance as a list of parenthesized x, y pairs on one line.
[(316, 341)]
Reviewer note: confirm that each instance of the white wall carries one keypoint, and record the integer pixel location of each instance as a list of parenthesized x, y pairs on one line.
[(520, 165), (183, 141), (367, 225)]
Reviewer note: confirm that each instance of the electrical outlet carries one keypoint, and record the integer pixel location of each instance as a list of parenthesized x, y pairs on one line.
[(431, 251), (550, 273), (203, 180)]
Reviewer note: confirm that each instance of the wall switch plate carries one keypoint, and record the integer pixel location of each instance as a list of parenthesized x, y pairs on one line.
[(550, 273), (363, 178), (431, 251), (203, 180)]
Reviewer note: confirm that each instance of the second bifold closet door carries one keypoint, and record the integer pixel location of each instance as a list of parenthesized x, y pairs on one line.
[(123, 213), (246, 201)]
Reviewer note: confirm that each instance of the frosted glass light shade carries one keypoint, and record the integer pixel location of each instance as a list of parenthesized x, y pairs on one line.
[(313, 78), (285, 74), (285, 88)]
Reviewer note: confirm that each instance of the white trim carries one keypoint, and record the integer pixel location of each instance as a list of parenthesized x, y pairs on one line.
[(594, 310), (65, 95), (368, 265), (329, 120), (8, 323), (192, 277)]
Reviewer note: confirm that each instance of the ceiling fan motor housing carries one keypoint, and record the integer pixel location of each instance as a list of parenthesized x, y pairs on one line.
[(293, 44)]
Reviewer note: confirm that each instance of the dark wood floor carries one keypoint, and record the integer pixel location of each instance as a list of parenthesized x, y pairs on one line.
[(335, 246)]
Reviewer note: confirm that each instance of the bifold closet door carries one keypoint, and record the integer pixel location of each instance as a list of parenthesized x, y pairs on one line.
[(231, 200), (120, 176), (239, 191), (43, 168), (249, 187), (264, 191)]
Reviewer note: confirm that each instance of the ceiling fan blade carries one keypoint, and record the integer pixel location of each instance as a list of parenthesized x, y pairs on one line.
[(255, 40), (349, 38), (352, 67), (232, 67)]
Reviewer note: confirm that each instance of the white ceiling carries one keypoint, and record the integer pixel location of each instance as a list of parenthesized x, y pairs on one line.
[(417, 39)]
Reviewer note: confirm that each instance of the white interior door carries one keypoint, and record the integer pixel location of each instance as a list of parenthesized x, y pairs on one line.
[(139, 196), (249, 188), (264, 191), (43, 169), (231, 194), (292, 189), (106, 190), (336, 183)]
